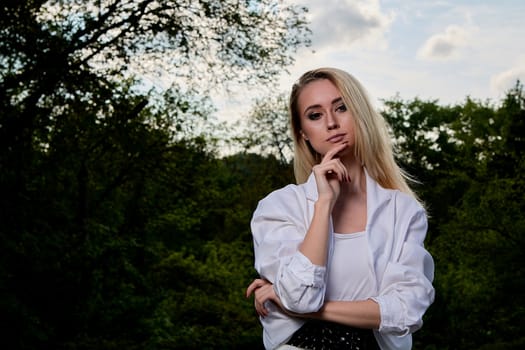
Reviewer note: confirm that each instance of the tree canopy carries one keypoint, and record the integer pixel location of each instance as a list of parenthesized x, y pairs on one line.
[(121, 226), (266, 129), (469, 158), (107, 188)]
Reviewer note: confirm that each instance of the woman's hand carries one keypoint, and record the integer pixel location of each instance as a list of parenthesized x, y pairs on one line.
[(330, 173), (264, 292)]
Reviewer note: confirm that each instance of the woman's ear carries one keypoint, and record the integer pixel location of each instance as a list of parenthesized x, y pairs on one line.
[(304, 135)]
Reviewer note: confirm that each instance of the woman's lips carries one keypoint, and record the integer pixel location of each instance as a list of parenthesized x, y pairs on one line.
[(336, 138)]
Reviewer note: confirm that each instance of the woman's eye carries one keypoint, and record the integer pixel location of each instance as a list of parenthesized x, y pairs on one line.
[(314, 116), (341, 108)]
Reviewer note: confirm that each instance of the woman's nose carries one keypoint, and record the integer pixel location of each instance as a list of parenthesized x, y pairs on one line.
[(332, 122)]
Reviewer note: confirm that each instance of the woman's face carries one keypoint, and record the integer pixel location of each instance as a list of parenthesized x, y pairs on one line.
[(325, 120)]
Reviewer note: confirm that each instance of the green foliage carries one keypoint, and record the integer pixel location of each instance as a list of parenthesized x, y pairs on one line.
[(212, 41), (102, 181), (267, 130), (470, 158), (246, 178), (120, 227), (205, 307)]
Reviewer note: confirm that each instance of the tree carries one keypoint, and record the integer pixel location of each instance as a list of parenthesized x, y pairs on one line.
[(49, 48), (97, 171), (245, 178), (204, 306), (469, 158), (267, 129)]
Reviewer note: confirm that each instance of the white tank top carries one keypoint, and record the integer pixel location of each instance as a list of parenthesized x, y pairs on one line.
[(349, 276)]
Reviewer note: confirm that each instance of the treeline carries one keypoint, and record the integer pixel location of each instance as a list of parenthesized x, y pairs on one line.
[(122, 226), (470, 159)]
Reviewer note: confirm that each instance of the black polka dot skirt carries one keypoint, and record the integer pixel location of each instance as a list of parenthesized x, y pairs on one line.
[(322, 335)]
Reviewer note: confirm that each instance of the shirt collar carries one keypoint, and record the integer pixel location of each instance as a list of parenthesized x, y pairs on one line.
[(375, 194)]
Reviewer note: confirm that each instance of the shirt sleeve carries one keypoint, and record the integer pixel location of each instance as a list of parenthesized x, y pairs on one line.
[(406, 291), (278, 228)]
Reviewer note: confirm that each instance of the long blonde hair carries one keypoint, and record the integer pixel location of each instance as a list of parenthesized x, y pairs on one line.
[(373, 145)]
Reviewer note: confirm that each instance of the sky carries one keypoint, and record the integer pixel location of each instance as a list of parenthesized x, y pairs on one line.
[(434, 50)]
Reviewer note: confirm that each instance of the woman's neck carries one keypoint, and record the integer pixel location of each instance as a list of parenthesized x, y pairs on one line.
[(356, 171)]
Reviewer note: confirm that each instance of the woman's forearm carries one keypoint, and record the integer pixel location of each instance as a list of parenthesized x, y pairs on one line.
[(361, 314), (315, 244)]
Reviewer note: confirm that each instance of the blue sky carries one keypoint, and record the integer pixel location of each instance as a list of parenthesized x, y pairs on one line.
[(444, 50)]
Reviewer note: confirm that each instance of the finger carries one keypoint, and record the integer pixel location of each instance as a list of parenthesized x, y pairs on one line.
[(334, 168), (264, 311), (262, 295), (334, 151), (250, 289), (261, 309), (342, 171), (257, 283), (257, 308)]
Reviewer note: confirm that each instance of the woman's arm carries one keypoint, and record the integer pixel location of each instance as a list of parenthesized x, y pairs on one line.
[(405, 290), (328, 176), (361, 314), (291, 252), (315, 244)]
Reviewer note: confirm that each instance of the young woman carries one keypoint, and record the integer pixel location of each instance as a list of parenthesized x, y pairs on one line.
[(340, 256)]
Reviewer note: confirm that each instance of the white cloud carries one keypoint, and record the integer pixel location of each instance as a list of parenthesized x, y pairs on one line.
[(341, 23), (504, 81), (447, 45), (475, 44), (342, 32)]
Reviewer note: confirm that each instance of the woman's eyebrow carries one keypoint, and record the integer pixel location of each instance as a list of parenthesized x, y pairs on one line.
[(337, 100), (334, 101), (311, 107)]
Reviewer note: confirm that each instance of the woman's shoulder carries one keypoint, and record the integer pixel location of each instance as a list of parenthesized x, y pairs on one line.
[(284, 194), (400, 199), (290, 198), (408, 206), (408, 201)]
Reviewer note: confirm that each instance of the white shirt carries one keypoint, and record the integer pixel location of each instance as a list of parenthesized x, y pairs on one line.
[(349, 277), (402, 269)]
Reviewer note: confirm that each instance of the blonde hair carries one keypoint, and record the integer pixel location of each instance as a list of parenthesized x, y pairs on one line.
[(373, 145)]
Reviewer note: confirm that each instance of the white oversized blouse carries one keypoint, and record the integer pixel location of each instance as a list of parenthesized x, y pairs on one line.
[(401, 267)]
